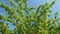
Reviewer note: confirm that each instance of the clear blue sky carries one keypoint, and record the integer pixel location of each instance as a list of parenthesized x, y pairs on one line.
[(34, 3)]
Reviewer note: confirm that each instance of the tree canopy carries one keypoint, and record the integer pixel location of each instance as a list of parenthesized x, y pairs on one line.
[(26, 20)]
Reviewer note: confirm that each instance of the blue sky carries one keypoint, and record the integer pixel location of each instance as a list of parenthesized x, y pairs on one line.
[(55, 8), (35, 3)]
